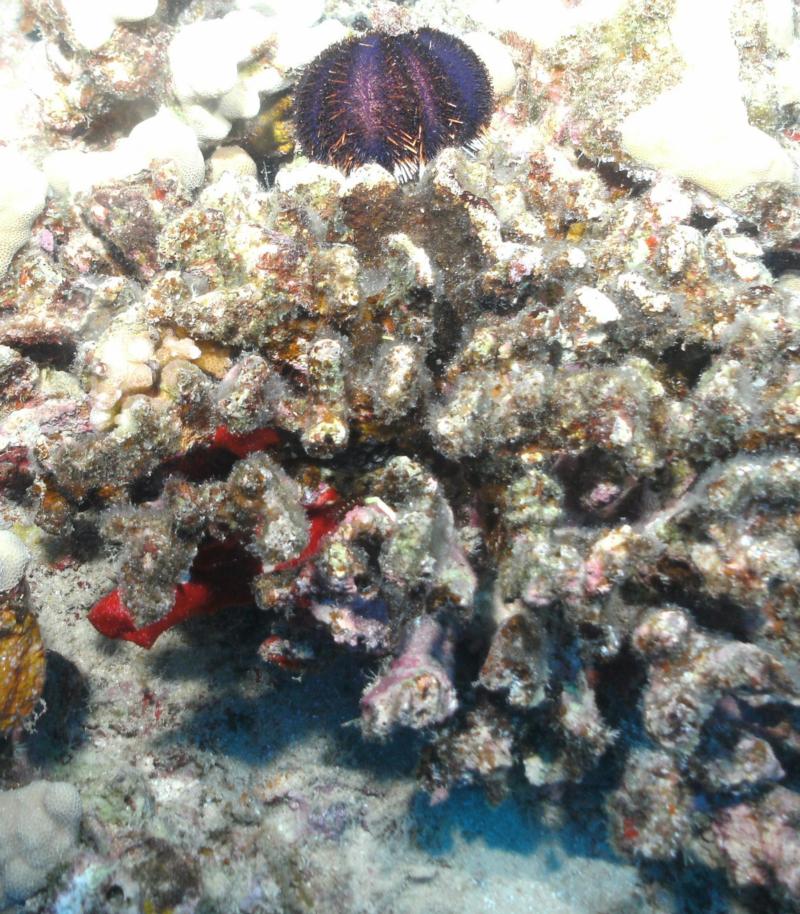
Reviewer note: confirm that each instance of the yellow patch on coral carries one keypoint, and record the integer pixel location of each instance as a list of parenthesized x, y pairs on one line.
[(215, 359), (22, 667)]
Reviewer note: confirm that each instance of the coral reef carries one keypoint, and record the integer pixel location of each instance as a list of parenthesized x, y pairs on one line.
[(519, 437)]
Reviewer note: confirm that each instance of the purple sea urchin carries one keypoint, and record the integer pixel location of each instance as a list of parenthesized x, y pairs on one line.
[(392, 99)]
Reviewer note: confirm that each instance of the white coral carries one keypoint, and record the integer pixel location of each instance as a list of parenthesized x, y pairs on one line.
[(38, 830), (93, 21), (300, 12), (14, 558), (163, 137), (546, 22), (217, 72), (699, 128), (233, 160), (23, 191), (496, 58), (205, 58)]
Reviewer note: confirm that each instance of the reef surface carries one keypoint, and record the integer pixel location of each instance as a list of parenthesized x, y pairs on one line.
[(366, 545)]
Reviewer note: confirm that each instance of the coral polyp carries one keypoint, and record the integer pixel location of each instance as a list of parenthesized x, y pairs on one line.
[(392, 99)]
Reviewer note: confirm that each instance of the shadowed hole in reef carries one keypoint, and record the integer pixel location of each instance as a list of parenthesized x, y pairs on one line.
[(746, 227), (677, 583), (118, 121), (614, 175), (167, 876), (175, 8), (448, 334), (619, 688), (719, 738), (117, 254), (83, 542), (697, 889), (780, 262), (467, 813), (597, 488), (280, 712), (702, 222), (771, 722), (50, 355), (687, 360), (513, 825), (115, 894), (201, 464)]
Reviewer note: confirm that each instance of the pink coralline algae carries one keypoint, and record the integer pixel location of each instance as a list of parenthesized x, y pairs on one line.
[(417, 689)]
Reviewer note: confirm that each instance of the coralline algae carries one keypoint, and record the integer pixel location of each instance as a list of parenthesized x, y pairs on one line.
[(518, 435)]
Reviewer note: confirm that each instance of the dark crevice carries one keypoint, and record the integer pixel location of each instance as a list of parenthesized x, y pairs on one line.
[(447, 337), (615, 176), (697, 889), (780, 262), (117, 121), (619, 687), (129, 267), (687, 360), (718, 614), (597, 489), (62, 729), (702, 222), (50, 355), (201, 464)]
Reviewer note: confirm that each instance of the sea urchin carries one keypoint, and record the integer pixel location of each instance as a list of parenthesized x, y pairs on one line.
[(391, 99)]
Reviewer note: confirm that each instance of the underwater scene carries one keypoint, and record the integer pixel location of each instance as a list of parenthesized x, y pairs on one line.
[(399, 456)]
